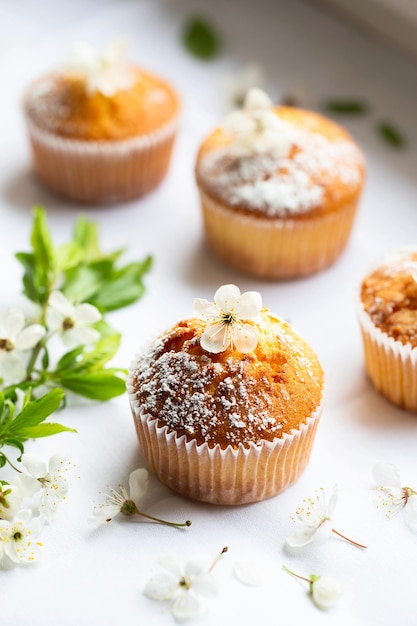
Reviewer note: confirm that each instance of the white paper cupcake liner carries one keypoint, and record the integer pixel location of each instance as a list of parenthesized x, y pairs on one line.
[(276, 247), (390, 364), (102, 171), (227, 477)]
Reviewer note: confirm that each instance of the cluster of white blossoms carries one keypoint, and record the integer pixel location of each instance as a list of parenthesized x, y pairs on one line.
[(29, 503), (105, 72), (18, 339), (256, 129)]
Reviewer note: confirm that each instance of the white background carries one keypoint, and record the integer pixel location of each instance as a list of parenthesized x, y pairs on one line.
[(97, 577)]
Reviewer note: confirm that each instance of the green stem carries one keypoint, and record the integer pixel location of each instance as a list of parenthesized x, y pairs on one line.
[(162, 521), (11, 464)]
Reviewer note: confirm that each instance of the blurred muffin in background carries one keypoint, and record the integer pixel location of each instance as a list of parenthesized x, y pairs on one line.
[(279, 189), (101, 128), (388, 322)]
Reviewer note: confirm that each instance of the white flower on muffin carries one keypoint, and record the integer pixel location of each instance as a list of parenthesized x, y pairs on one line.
[(128, 502), (256, 129), (314, 520), (393, 497), (226, 318), (186, 587), (106, 72), (238, 84), (325, 591)]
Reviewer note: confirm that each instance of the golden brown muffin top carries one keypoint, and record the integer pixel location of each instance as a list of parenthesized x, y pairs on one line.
[(61, 104), (230, 397), (323, 170), (389, 296)]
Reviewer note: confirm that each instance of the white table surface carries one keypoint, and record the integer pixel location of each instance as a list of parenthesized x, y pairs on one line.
[(89, 577)]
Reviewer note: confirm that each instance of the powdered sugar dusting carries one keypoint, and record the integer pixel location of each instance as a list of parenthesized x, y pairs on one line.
[(287, 185), (212, 397)]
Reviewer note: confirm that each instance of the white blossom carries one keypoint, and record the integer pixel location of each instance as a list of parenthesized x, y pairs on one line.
[(11, 497), (187, 588), (48, 480), (326, 591), (15, 340), (256, 129), (18, 537), (314, 520), (106, 72), (122, 501), (227, 317), (72, 322), (392, 496)]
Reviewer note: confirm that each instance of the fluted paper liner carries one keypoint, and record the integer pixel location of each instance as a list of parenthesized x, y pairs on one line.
[(102, 171), (227, 477), (276, 247), (390, 364)]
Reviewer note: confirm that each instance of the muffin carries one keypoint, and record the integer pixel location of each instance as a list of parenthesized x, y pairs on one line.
[(388, 322), (101, 129), (279, 189), (226, 404)]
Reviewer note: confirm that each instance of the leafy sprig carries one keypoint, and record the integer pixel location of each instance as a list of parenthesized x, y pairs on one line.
[(86, 280)]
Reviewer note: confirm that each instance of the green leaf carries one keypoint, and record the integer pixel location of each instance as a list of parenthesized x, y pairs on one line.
[(95, 385), (36, 411), (29, 287), (69, 360), (67, 256), (346, 107), (123, 288), (86, 237), (391, 135), (200, 39), (44, 430), (43, 254), (77, 361)]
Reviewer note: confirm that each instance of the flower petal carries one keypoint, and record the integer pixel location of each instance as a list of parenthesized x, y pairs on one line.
[(246, 338), (215, 338), (29, 337), (326, 592), (249, 305), (34, 465), (162, 587), (386, 474), (86, 314), (138, 485), (205, 584), (204, 309), (12, 368), (248, 574), (11, 323), (305, 536), (103, 514), (60, 303), (80, 336), (333, 500), (257, 99), (226, 297), (197, 565), (186, 605)]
